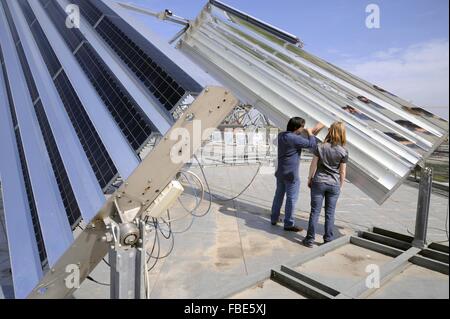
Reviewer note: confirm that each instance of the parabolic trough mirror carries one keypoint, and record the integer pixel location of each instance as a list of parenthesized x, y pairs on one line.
[(269, 68)]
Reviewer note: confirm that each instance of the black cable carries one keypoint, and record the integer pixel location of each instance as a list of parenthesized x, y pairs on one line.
[(168, 225), (96, 281), (227, 199), (154, 242), (159, 257), (159, 248)]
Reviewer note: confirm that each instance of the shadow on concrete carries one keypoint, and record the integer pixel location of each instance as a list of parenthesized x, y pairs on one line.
[(258, 217)]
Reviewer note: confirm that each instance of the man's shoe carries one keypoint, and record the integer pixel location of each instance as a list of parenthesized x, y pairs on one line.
[(307, 244), (293, 228), (276, 223)]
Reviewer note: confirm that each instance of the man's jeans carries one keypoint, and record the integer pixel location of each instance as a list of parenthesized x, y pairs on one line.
[(319, 192), (290, 189)]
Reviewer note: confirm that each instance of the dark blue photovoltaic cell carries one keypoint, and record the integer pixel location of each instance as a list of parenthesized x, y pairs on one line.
[(98, 157), (134, 124), (31, 202), (126, 114), (30, 83), (29, 15), (72, 210), (41, 40), (67, 195), (73, 36), (90, 12), (101, 163), (156, 80)]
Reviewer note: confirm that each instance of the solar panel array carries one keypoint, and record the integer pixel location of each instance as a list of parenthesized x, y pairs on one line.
[(96, 152), (135, 126), (97, 155), (70, 204), (167, 91)]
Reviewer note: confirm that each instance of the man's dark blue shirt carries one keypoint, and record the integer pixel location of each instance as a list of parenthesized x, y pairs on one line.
[(290, 147)]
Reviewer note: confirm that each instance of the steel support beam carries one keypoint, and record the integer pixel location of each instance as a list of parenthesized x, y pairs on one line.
[(128, 269), (141, 189), (423, 207)]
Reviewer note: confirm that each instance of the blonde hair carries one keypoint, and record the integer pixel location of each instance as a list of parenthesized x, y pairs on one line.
[(337, 134)]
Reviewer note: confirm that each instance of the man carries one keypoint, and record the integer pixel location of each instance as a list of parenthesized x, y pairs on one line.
[(290, 145)]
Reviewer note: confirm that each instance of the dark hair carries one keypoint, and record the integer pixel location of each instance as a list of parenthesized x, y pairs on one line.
[(295, 123)]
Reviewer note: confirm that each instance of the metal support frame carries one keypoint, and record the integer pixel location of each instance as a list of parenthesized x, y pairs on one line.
[(382, 241), (423, 207), (140, 190), (128, 267), (165, 15)]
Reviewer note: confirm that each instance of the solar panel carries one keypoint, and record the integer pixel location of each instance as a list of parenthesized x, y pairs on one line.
[(90, 12), (73, 37), (131, 122), (24, 169), (41, 40), (72, 209), (155, 79), (65, 188), (387, 136), (21, 54), (97, 155), (168, 90), (65, 100), (135, 126)]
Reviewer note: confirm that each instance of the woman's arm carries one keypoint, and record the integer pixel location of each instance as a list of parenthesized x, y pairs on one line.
[(343, 173), (312, 170)]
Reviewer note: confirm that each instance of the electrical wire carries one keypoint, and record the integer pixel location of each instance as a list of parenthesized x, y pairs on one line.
[(96, 281), (156, 225), (232, 198)]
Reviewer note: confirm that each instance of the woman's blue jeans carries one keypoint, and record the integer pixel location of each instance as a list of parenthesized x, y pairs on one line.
[(291, 190), (319, 193)]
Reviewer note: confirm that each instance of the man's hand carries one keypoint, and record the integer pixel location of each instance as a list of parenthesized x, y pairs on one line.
[(310, 131), (310, 181)]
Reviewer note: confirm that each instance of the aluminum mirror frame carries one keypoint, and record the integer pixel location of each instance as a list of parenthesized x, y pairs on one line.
[(387, 136)]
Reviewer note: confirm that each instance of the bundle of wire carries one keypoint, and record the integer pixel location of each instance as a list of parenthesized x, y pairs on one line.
[(154, 225)]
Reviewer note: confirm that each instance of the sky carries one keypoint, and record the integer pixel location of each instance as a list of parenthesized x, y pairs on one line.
[(408, 55)]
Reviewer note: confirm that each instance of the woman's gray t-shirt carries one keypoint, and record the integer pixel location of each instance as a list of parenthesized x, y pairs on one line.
[(330, 159)]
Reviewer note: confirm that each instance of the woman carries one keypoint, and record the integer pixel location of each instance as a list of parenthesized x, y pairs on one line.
[(326, 179)]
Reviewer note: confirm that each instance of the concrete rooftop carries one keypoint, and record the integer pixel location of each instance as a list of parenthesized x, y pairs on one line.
[(236, 241)]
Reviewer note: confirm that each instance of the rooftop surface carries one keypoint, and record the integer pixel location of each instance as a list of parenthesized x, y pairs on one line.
[(236, 241)]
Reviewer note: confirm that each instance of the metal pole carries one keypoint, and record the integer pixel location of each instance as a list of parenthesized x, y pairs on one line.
[(127, 268), (423, 207)]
